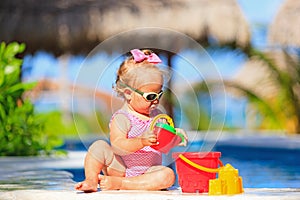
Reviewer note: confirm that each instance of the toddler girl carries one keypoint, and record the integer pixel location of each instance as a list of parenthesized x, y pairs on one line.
[(130, 162)]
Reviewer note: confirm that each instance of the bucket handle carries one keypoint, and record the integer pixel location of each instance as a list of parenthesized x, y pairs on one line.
[(170, 122), (157, 117), (206, 169)]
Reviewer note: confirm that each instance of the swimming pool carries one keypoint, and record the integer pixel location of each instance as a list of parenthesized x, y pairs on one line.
[(263, 161)]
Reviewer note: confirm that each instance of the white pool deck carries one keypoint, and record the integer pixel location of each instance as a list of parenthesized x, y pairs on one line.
[(263, 194), (16, 166)]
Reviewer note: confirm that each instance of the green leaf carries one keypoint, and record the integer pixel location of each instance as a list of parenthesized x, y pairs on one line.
[(2, 112), (22, 48), (1, 76), (19, 87), (2, 48), (13, 49), (12, 74), (29, 86)]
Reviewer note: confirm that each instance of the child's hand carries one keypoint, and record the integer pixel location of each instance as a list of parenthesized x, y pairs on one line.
[(149, 138), (184, 135)]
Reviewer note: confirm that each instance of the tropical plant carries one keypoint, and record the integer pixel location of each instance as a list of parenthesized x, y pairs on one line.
[(21, 129), (281, 109), (284, 106)]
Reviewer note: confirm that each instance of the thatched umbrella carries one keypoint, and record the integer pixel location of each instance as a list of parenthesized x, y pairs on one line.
[(76, 26), (284, 29)]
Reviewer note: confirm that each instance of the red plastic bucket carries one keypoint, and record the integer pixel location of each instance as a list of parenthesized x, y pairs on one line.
[(191, 179), (167, 137)]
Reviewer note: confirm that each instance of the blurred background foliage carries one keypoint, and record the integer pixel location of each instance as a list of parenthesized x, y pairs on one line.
[(278, 108), (273, 99), (23, 132)]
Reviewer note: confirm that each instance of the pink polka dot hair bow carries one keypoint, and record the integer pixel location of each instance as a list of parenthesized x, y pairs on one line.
[(139, 56)]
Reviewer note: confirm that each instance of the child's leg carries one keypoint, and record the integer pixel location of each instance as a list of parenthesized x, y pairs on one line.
[(99, 157), (156, 178)]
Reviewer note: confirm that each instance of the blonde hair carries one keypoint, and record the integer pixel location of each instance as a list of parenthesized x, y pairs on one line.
[(131, 73)]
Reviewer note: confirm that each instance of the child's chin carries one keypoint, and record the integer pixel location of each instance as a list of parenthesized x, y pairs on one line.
[(146, 112)]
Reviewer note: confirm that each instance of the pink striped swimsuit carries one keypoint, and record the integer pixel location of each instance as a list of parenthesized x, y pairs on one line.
[(139, 162)]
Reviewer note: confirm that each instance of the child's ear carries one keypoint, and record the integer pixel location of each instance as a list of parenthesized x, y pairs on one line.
[(127, 94)]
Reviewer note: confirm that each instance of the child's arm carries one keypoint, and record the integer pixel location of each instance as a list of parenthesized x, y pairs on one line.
[(119, 127)]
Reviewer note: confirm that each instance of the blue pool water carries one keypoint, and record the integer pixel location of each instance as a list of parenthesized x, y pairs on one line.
[(260, 165)]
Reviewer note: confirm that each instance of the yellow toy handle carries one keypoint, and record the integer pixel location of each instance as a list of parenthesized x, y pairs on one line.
[(182, 157), (164, 116)]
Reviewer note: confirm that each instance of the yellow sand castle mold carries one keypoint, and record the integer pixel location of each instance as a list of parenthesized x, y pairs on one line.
[(228, 182)]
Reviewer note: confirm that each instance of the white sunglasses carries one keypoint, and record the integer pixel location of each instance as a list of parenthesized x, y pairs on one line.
[(148, 96)]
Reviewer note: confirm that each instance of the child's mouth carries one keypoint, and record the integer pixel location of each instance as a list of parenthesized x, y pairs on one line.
[(153, 107)]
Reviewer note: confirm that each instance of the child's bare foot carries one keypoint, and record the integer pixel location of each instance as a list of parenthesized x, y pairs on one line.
[(110, 182), (87, 186)]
